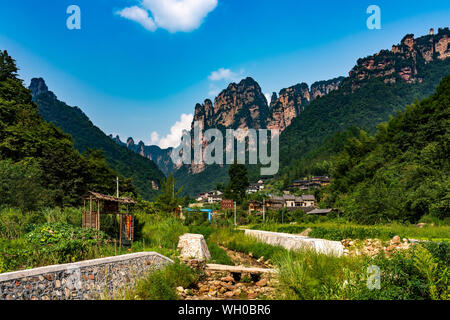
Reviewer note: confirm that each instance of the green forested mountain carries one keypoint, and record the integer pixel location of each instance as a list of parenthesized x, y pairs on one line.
[(86, 135), (378, 86), (401, 173), (38, 164)]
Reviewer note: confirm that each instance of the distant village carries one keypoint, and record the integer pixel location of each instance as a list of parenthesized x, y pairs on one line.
[(306, 202)]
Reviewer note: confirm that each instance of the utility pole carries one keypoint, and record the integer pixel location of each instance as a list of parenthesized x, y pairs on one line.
[(235, 224), (264, 210), (117, 186)]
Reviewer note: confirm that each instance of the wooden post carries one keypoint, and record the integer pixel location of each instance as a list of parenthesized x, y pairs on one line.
[(98, 218), (90, 211), (120, 232)]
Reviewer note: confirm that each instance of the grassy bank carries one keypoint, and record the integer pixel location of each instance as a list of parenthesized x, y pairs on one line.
[(344, 230)]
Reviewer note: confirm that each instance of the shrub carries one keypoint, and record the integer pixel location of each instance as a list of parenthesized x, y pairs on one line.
[(63, 242)]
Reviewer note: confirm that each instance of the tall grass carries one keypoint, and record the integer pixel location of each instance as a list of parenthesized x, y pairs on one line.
[(161, 233), (307, 275), (161, 284), (238, 241)]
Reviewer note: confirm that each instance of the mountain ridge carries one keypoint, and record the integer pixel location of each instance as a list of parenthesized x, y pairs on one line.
[(145, 174)]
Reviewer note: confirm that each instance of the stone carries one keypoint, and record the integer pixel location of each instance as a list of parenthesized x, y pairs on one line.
[(305, 232), (227, 279), (421, 225), (50, 277), (261, 283), (252, 295), (396, 240), (193, 246)]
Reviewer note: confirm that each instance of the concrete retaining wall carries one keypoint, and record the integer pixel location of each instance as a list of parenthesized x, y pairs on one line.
[(294, 242), (90, 279)]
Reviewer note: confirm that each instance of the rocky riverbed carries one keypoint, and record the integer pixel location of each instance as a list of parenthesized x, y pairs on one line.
[(214, 285)]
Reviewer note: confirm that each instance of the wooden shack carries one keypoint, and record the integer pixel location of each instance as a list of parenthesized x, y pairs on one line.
[(97, 204)]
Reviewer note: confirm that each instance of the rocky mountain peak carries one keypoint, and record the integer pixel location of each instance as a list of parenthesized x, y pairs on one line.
[(38, 86), (130, 142), (240, 105), (404, 61)]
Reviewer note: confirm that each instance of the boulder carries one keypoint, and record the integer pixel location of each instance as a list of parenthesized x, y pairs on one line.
[(193, 246)]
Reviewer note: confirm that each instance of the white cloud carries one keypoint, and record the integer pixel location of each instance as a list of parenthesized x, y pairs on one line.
[(222, 74), (172, 15), (140, 16), (154, 138), (221, 77), (173, 139)]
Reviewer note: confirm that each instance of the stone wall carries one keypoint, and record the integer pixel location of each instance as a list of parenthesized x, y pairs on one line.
[(294, 242), (91, 279)]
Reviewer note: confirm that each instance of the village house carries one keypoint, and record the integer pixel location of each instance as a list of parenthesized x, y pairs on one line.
[(308, 200), (255, 187), (210, 197), (313, 183), (291, 202)]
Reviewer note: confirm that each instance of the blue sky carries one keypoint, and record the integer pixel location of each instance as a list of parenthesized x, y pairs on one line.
[(135, 79)]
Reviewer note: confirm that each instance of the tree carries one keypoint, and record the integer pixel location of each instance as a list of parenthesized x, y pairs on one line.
[(167, 201), (8, 68), (238, 182), (21, 184)]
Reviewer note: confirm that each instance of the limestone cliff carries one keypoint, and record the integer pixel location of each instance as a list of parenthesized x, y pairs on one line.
[(405, 61), (240, 105)]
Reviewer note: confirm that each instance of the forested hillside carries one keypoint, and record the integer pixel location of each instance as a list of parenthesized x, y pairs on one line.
[(364, 108), (86, 135), (38, 164), (401, 173)]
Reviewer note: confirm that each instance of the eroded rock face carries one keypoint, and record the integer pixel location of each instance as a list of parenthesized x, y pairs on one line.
[(322, 88), (403, 62), (241, 105), (160, 156), (290, 103), (193, 246), (38, 86)]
